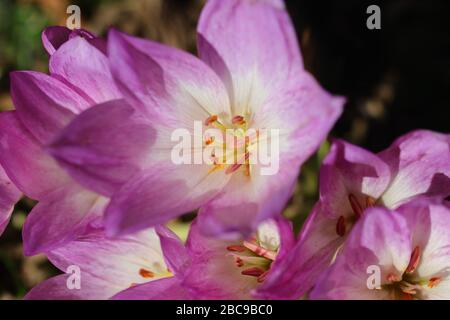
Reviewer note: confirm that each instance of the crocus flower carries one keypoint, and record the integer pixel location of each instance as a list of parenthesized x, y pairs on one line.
[(402, 254), (79, 77), (208, 268), (353, 179), (250, 75), (97, 268), (9, 195)]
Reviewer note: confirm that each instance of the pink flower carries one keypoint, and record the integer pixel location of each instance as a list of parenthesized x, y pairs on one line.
[(79, 77), (96, 267), (210, 268), (250, 75), (9, 195), (143, 266), (353, 179), (404, 252)]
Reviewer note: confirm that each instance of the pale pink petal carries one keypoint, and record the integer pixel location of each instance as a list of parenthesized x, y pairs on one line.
[(251, 45), (419, 165), (106, 266), (60, 216)]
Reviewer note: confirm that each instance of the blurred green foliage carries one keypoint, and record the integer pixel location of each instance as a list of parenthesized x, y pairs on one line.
[(20, 29)]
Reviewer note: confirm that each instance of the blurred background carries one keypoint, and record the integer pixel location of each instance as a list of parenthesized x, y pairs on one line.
[(395, 79)]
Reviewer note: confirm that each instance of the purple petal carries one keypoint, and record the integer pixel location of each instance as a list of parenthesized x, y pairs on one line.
[(59, 217), (44, 104), (244, 203), (24, 160), (159, 80), (381, 238), (9, 195), (175, 253), (53, 37), (162, 289), (107, 266), (420, 166), (350, 170), (304, 114), (242, 38), (428, 220), (104, 146), (85, 69), (299, 270), (213, 273), (56, 288), (287, 238), (159, 194)]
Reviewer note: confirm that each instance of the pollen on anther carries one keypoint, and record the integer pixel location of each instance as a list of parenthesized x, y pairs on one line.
[(210, 120), (146, 273), (370, 202), (236, 248), (433, 282), (239, 120), (239, 262), (254, 272), (209, 140)]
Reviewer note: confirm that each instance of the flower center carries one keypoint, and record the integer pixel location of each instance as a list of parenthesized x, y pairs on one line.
[(406, 286), (346, 223), (252, 258), (233, 149)]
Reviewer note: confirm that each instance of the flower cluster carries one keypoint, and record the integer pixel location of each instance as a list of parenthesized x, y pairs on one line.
[(93, 143)]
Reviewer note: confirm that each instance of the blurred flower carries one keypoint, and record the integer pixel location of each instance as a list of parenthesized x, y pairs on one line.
[(353, 179), (408, 247), (250, 76), (79, 77)]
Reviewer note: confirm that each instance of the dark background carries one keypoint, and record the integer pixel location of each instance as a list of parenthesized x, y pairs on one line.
[(395, 79)]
